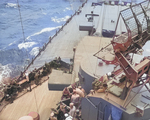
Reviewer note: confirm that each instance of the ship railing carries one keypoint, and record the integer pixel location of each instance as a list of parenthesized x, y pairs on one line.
[(50, 39), (91, 103)]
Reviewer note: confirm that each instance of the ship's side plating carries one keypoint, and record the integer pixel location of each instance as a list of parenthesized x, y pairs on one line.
[(96, 107)]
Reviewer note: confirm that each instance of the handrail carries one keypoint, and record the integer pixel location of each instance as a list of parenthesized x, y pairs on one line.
[(91, 102), (50, 39)]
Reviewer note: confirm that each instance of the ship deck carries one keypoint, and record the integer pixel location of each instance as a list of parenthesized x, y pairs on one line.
[(69, 37), (90, 64), (138, 99), (39, 100)]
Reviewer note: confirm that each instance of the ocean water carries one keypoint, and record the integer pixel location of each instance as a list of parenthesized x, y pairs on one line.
[(40, 20)]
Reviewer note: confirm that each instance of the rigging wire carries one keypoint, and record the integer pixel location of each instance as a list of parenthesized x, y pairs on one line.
[(82, 42), (27, 60), (120, 20), (26, 50), (102, 24), (101, 31), (120, 29), (36, 101), (104, 12), (21, 20)]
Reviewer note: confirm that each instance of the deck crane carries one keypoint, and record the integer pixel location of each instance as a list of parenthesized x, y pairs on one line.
[(137, 22)]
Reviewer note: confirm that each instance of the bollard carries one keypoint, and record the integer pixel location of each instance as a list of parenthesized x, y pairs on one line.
[(83, 5), (62, 27), (43, 48), (65, 23), (74, 49), (50, 39), (59, 30), (56, 33), (39, 51), (32, 61)]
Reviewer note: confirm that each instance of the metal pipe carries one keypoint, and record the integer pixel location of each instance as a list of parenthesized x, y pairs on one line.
[(90, 102)]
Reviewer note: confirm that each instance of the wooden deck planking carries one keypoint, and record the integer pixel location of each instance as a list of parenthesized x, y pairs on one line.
[(44, 98)]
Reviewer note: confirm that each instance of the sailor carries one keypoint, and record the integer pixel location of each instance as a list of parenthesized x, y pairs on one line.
[(103, 89), (75, 99), (52, 116), (27, 76), (59, 59), (28, 80), (66, 93), (72, 110), (62, 107), (82, 90), (79, 91), (70, 89), (61, 111), (78, 115), (105, 78)]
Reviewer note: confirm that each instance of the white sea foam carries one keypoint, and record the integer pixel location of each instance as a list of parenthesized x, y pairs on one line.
[(26, 45), (67, 8), (10, 71), (4, 71), (58, 20), (42, 31), (34, 51), (43, 12), (12, 43), (11, 5), (46, 30), (1, 77)]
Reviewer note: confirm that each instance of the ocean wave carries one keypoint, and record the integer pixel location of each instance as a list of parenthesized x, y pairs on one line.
[(11, 5), (14, 42), (4, 71), (34, 51), (42, 31), (67, 8), (58, 20), (26, 45), (12, 52), (13, 56), (43, 12), (10, 71)]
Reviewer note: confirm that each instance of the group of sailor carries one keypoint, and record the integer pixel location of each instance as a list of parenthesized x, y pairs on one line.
[(73, 111)]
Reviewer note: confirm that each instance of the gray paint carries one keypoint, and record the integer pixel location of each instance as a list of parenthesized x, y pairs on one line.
[(89, 112), (57, 87), (87, 83)]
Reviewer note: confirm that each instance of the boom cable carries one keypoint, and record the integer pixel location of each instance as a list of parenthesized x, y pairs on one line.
[(104, 12), (24, 39), (84, 48), (21, 20)]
